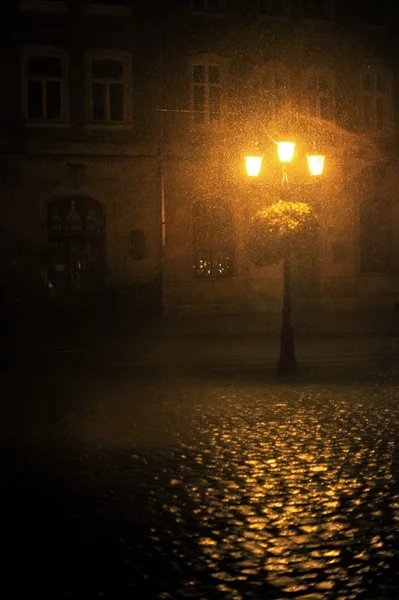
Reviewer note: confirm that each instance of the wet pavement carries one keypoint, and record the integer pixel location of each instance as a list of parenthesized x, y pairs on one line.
[(163, 485)]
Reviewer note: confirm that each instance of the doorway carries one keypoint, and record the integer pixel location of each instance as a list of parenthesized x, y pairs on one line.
[(76, 244)]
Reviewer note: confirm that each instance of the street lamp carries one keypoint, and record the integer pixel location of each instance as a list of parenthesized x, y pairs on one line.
[(287, 364)]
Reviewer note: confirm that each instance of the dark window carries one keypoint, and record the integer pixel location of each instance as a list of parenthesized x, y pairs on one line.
[(274, 91), (107, 95), (213, 74), (319, 97), (376, 97), (116, 102), (99, 103), (107, 69), (53, 99), (137, 244), (35, 100), (213, 238), (199, 74), (44, 88), (44, 66), (206, 93), (374, 236)]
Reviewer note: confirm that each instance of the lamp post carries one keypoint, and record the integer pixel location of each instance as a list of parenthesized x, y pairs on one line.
[(287, 365)]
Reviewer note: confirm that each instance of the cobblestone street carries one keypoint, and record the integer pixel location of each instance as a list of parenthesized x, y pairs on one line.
[(168, 486)]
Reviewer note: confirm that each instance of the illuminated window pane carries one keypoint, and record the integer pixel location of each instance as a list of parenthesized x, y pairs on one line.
[(213, 239)]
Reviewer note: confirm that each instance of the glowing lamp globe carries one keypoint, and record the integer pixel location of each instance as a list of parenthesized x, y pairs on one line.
[(285, 151), (316, 164), (253, 165)]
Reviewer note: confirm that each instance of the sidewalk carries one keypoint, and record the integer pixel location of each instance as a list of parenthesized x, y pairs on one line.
[(176, 347)]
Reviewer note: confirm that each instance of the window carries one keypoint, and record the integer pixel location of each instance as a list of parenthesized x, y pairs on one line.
[(109, 88), (206, 90), (374, 236), (45, 87), (275, 89), (376, 100), (319, 94), (213, 234)]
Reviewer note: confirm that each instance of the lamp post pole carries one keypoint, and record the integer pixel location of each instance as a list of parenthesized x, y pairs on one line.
[(287, 364)]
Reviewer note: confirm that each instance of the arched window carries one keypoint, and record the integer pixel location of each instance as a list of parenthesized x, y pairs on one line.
[(319, 97), (275, 86), (376, 86), (213, 239), (374, 236)]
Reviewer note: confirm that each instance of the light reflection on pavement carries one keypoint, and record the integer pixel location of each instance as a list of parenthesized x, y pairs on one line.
[(215, 489)]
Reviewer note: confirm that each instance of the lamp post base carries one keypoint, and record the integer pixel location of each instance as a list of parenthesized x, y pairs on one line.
[(287, 365)]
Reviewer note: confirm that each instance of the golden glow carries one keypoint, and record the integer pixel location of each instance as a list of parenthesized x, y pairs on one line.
[(316, 164), (253, 165), (285, 151)]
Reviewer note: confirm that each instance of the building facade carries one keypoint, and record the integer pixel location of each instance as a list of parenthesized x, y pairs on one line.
[(123, 137)]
